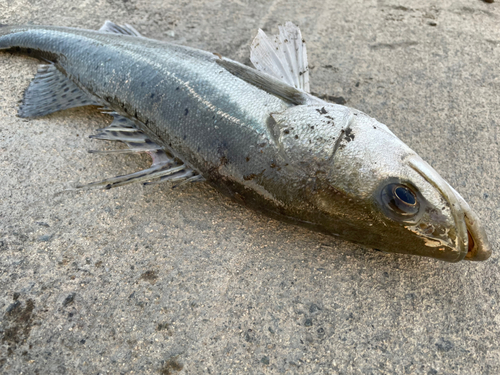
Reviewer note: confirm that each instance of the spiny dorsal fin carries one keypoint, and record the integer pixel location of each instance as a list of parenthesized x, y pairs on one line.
[(283, 56), (113, 28), (51, 91), (266, 82)]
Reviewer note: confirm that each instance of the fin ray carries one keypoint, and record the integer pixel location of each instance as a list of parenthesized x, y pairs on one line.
[(113, 28), (164, 167), (284, 56), (51, 91)]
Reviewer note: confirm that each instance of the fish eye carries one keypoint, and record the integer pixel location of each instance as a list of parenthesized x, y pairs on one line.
[(400, 199)]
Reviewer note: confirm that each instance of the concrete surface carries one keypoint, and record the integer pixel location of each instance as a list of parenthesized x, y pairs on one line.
[(150, 280)]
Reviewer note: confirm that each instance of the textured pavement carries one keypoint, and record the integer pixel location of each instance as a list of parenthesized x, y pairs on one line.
[(145, 279)]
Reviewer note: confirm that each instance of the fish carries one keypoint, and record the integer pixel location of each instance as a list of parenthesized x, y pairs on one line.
[(256, 134)]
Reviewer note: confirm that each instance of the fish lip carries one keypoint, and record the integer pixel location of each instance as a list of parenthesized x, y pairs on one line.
[(481, 248), (452, 197)]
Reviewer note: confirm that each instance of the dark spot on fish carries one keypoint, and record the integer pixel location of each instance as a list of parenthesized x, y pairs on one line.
[(247, 159), (178, 88), (152, 96), (186, 111), (312, 127), (296, 137), (198, 149), (432, 23), (69, 101), (286, 131), (357, 84), (349, 136), (273, 165), (249, 177), (73, 91), (147, 122), (322, 111), (184, 138), (78, 97), (135, 115)]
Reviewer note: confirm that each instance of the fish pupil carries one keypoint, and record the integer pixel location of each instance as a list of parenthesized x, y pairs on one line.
[(405, 195)]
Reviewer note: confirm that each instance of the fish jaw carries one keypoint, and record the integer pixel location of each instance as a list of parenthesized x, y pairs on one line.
[(478, 248), (472, 242)]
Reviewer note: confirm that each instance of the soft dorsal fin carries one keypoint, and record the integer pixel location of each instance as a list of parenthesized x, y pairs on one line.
[(266, 82), (113, 28), (283, 56)]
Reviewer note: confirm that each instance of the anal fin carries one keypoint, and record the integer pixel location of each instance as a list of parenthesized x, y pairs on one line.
[(51, 91)]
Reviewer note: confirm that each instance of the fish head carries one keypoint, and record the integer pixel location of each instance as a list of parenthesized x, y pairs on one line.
[(364, 184)]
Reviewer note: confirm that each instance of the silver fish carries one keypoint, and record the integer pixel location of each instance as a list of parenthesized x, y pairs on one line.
[(257, 135)]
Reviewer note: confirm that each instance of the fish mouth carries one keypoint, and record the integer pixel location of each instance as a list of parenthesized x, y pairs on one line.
[(478, 247), (472, 243)]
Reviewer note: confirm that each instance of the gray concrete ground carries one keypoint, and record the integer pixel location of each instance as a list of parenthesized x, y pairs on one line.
[(153, 280)]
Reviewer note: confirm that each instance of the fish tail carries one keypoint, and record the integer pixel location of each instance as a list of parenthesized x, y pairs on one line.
[(51, 90), (9, 38), (30, 40)]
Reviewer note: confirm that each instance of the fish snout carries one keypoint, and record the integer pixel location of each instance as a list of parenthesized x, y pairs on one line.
[(472, 240)]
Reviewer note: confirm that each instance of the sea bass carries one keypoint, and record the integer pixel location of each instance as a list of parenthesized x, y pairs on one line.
[(257, 135)]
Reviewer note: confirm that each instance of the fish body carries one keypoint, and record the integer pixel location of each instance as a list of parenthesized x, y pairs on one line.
[(268, 144)]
